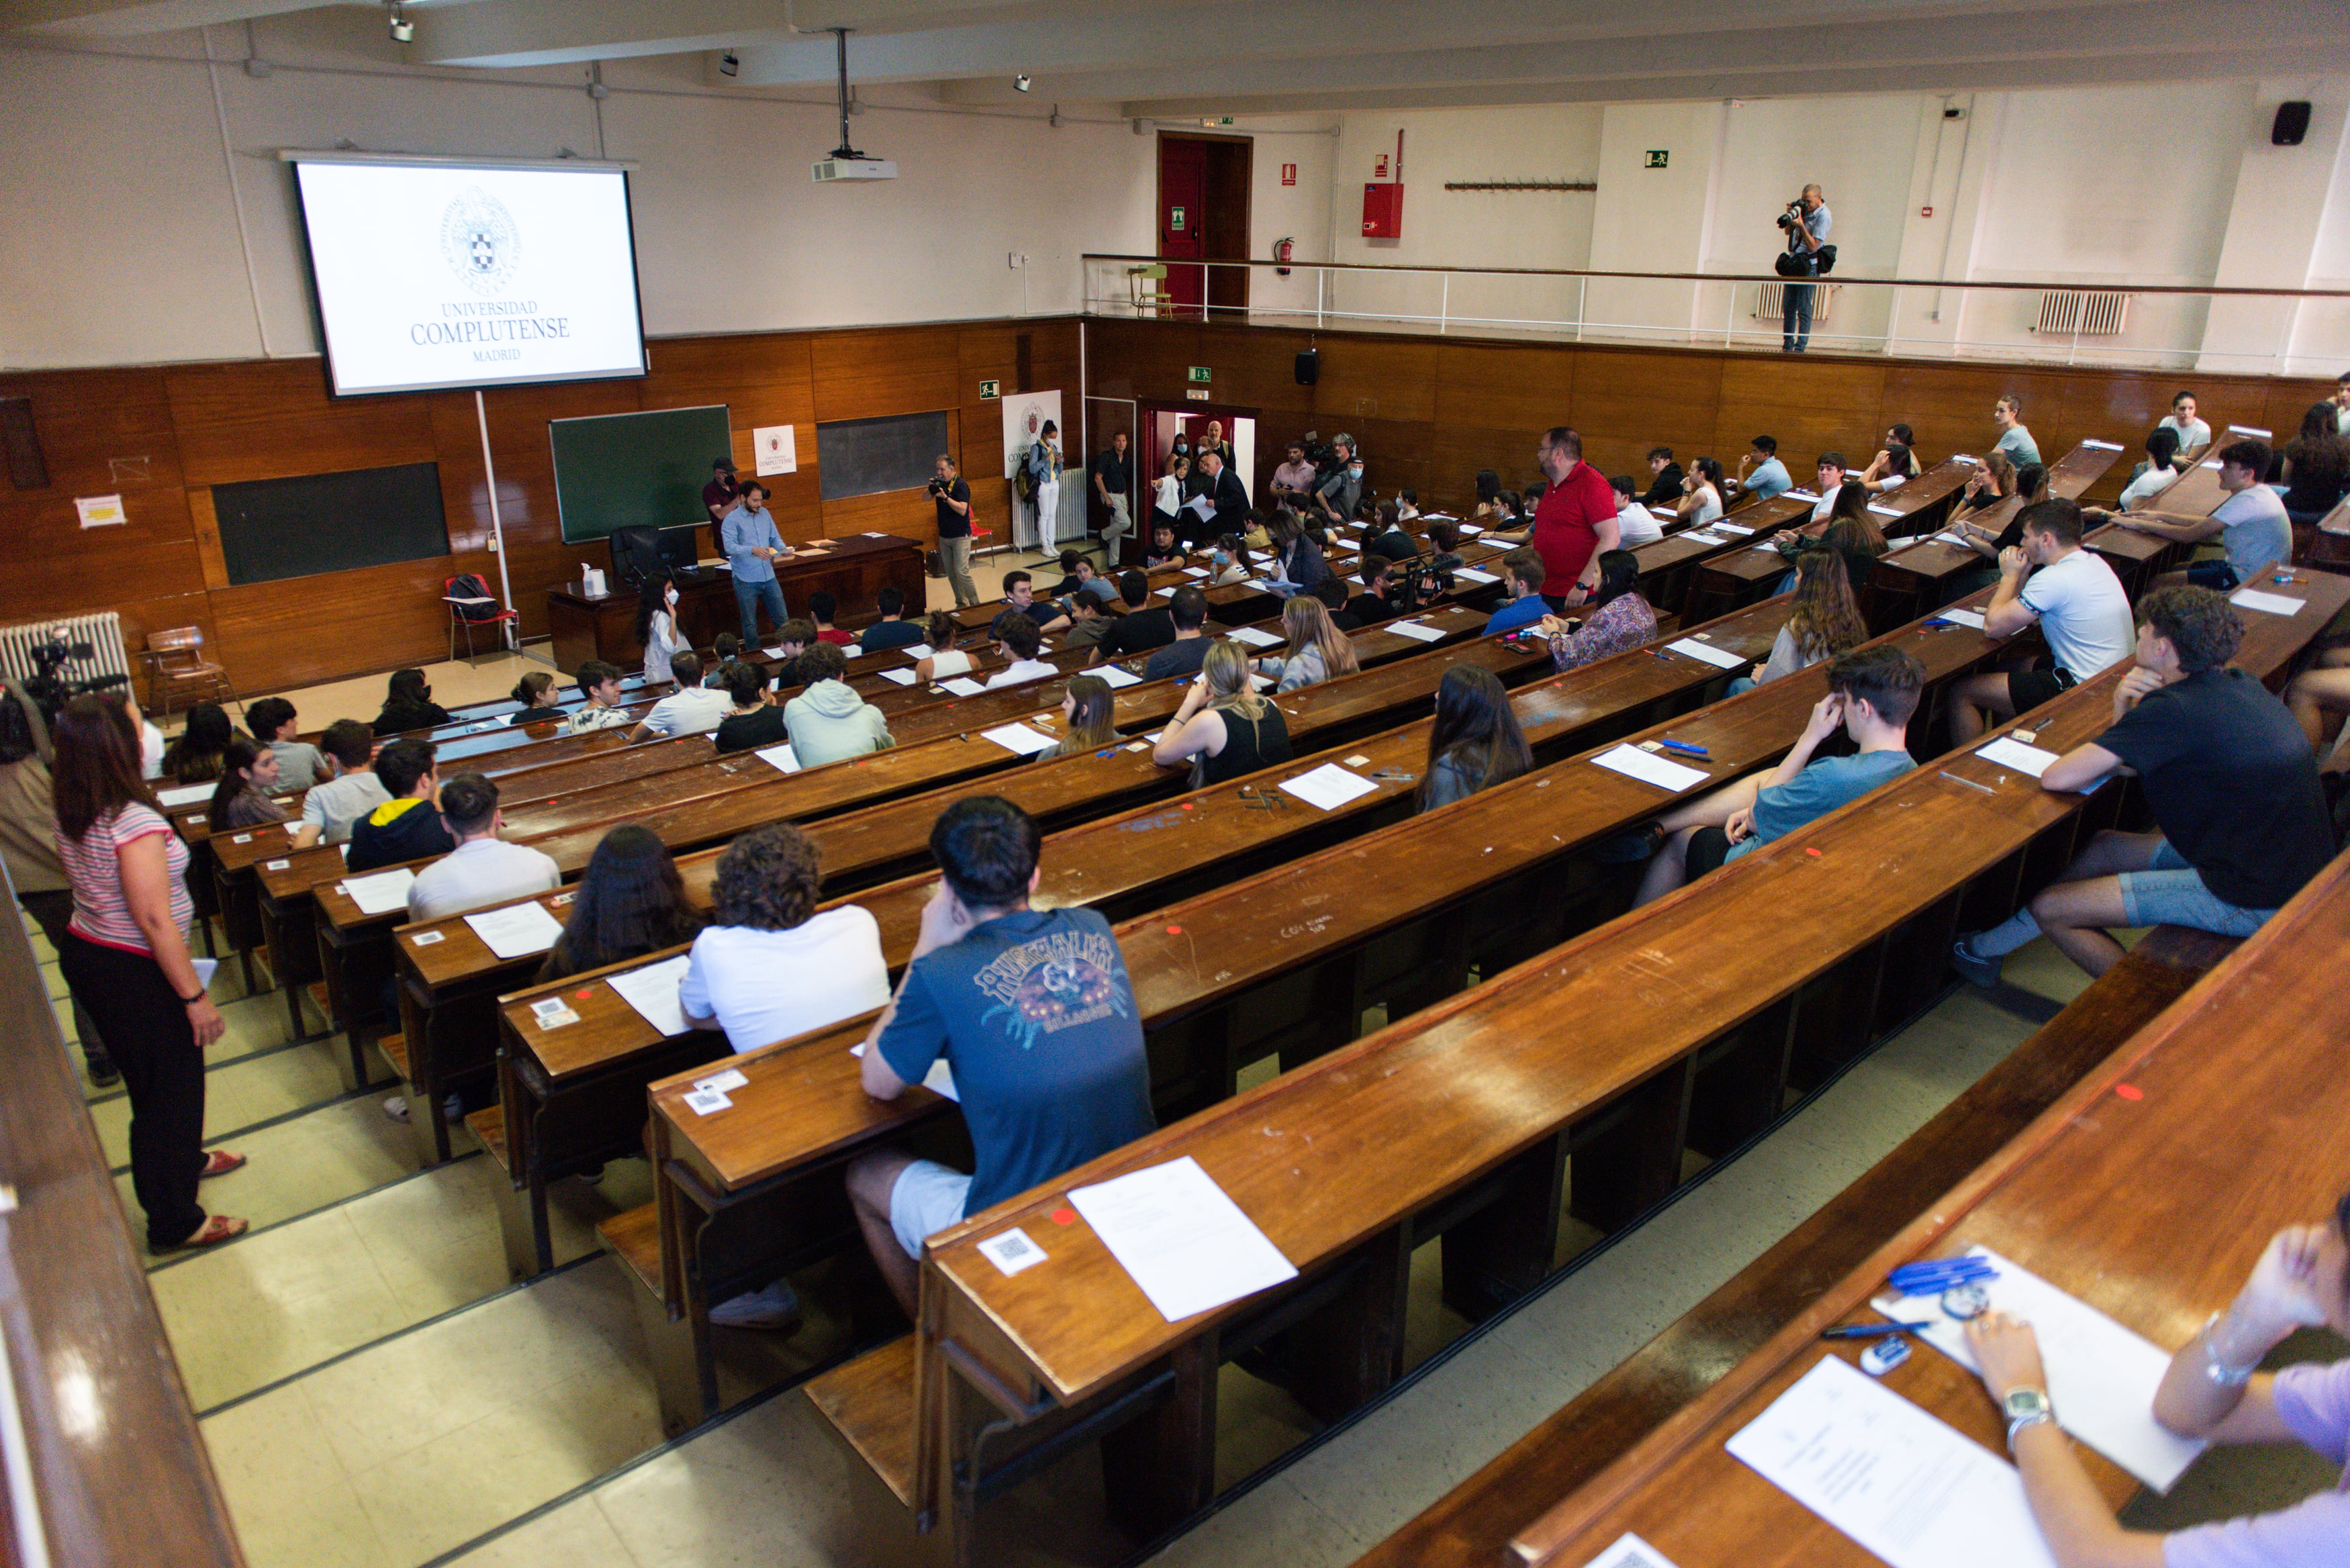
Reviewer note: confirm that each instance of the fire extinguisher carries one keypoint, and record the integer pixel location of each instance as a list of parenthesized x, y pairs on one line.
[(1283, 249)]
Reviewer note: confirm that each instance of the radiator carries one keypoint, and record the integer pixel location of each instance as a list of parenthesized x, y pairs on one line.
[(2076, 312), (102, 632), (1771, 302)]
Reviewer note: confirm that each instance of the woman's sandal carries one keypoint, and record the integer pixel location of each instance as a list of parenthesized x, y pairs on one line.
[(220, 1162), (219, 1228)]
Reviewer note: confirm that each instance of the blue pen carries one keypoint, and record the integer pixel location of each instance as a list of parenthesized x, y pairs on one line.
[(1685, 749)]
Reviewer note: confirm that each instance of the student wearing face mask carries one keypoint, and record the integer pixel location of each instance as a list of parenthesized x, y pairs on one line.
[(657, 627), (1335, 499)]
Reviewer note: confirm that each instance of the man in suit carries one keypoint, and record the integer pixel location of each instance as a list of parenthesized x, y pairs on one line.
[(1227, 498)]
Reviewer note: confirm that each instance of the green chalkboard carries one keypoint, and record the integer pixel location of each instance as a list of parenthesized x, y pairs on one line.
[(618, 470)]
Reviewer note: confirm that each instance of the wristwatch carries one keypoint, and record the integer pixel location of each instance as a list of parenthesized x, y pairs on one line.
[(2025, 1407)]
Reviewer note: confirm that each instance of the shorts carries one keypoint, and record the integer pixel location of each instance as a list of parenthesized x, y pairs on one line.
[(2170, 892), (925, 1200), (2215, 575), (2027, 689), (1706, 851)]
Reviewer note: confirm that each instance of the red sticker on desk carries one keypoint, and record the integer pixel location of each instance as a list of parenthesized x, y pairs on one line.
[(1186, 806), (583, 995), (1813, 853), (1065, 1216), (2129, 1090), (1174, 931)]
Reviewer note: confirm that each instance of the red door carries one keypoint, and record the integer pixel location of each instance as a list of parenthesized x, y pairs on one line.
[(1182, 183)]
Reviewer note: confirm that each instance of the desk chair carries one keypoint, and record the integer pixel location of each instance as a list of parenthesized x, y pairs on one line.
[(175, 661), (1146, 286), (457, 617)]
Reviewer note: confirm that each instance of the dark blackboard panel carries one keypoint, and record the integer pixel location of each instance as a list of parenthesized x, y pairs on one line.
[(274, 529), (866, 457), (624, 470)]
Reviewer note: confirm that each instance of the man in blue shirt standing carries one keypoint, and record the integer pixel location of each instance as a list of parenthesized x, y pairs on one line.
[(1806, 221), (1032, 1014), (753, 547)]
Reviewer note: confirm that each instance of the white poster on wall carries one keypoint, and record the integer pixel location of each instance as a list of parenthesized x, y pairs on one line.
[(775, 449), (1025, 414)]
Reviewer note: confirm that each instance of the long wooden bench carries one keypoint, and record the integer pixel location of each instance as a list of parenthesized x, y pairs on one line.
[(2134, 1191), (1694, 1027), (1470, 1525)]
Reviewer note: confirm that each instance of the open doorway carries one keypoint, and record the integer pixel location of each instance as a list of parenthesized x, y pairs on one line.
[(1160, 425), (1204, 216)]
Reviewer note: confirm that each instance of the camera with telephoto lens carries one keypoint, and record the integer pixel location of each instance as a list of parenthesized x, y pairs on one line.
[(1412, 584), (1787, 218), (51, 687)]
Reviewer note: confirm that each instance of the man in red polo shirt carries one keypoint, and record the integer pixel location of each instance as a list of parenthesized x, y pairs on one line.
[(1576, 522)]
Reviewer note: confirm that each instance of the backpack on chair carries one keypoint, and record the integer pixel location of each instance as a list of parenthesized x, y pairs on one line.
[(469, 584)]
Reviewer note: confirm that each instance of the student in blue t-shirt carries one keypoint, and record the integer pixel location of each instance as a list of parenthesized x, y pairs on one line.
[(1760, 474), (1872, 691), (1033, 1012), (1522, 575)]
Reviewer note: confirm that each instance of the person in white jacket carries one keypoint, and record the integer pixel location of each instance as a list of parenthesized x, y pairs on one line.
[(829, 720)]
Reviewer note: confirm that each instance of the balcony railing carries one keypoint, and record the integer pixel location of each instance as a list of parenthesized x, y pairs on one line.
[(2285, 332)]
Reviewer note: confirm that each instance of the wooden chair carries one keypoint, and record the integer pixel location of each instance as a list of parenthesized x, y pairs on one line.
[(175, 661), (457, 603)]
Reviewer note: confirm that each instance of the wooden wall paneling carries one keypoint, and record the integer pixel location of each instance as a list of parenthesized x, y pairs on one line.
[(304, 630), (102, 432), (55, 567), (1142, 358), (1455, 455), (1949, 406), (205, 526), (908, 513), (168, 612), (1256, 367), (870, 374), (1812, 406), (1397, 455), (1628, 400), (764, 378), (273, 420), (1522, 388), (2282, 404)]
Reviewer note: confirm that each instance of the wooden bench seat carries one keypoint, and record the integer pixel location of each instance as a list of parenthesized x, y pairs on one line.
[(634, 1238), (870, 1403), (1470, 1526)]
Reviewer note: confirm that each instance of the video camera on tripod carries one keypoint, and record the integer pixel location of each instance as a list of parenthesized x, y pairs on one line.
[(53, 685)]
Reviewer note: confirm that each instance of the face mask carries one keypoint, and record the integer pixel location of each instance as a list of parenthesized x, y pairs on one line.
[(1182, 446), (670, 599), (1353, 473)]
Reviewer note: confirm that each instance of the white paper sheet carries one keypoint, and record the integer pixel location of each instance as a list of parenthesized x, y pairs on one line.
[(1328, 787), (1167, 593), (779, 757), (381, 893), (1195, 571), (1019, 738), (1963, 617), (2102, 445), (939, 1080), (1666, 513), (653, 992), (1718, 526), (1415, 630), (1900, 1482), (1886, 511), (1700, 536), (1116, 676), (2271, 604), (2101, 1376), (964, 686), (1720, 659), (1471, 575), (1801, 495), (899, 676), (1472, 529), (1628, 1551), (2010, 752), (918, 650), (852, 651), (1252, 636), (186, 795), (1180, 1237), (517, 930), (1649, 768)]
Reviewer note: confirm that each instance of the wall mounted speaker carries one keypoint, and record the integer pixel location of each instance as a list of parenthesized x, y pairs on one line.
[(1309, 363), (2292, 124)]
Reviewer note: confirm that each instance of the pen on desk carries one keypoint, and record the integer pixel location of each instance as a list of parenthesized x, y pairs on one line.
[(1872, 1330), (1685, 748), (1968, 783)]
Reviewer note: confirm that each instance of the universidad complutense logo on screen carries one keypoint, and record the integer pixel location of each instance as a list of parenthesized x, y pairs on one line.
[(437, 276)]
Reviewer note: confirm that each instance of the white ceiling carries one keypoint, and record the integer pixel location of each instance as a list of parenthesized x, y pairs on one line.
[(1152, 59)]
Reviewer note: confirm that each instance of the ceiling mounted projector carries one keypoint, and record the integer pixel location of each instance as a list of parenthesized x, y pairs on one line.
[(830, 171)]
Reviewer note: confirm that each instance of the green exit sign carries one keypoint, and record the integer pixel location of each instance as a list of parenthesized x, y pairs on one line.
[(1200, 373), (1658, 158), (1217, 119), (988, 390)]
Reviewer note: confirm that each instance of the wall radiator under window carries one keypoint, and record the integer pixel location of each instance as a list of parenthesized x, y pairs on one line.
[(102, 632), (2078, 313), (1771, 302)]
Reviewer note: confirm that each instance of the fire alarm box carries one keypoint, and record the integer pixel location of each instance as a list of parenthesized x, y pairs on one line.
[(1383, 210)]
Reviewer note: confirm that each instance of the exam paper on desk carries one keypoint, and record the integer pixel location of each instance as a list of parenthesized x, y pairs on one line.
[(517, 930), (964, 686), (653, 992), (381, 893), (1649, 768), (2010, 752), (1328, 787), (2271, 604), (1720, 658), (1252, 636), (939, 1080), (1180, 1237), (900, 677)]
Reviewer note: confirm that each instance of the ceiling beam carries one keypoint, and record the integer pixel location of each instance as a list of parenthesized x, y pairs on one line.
[(130, 18)]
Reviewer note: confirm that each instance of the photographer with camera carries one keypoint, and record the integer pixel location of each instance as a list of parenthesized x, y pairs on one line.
[(1805, 223), (953, 496)]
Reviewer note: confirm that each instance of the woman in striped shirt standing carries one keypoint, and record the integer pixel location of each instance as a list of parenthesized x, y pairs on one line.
[(126, 961)]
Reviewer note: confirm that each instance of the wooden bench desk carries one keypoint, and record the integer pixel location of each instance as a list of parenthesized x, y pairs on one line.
[(2147, 1205), (1119, 865), (1672, 567), (1727, 581), (1470, 1525), (1925, 571), (1695, 1033)]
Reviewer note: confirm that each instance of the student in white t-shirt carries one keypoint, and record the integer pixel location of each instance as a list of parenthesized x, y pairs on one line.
[(1635, 523), (770, 966), (2081, 608), (1701, 492), (330, 808), (2193, 434), (945, 660), (690, 709), (1019, 642), (483, 868), (2251, 525)]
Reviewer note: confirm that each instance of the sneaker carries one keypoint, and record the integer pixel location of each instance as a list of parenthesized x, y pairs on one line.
[(396, 1108), (1973, 967), (776, 1309), (452, 1108), (1629, 849), (103, 1073)]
